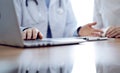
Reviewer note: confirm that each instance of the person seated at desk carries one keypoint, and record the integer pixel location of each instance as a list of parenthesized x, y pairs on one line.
[(107, 16), (50, 19)]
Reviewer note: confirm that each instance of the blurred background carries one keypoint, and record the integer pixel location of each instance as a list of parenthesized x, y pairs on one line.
[(83, 10)]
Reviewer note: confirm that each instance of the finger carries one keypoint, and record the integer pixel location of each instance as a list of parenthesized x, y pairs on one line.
[(98, 30), (96, 34), (112, 34), (24, 35), (29, 34), (40, 35), (115, 32), (34, 34), (92, 24), (109, 31), (118, 36)]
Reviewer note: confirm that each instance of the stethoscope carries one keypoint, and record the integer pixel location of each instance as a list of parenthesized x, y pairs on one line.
[(59, 10)]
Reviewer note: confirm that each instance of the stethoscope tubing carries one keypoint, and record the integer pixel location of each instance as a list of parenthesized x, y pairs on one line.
[(26, 2), (60, 3), (33, 0), (60, 10)]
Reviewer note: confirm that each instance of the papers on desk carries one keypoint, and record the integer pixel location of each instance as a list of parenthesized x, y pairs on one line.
[(93, 38)]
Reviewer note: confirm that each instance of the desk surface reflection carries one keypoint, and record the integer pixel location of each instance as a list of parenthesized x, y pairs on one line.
[(87, 57)]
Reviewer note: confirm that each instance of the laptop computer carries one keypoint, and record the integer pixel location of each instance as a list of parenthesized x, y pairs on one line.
[(10, 33)]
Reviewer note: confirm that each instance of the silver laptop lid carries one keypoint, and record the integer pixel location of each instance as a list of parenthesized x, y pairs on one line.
[(9, 29)]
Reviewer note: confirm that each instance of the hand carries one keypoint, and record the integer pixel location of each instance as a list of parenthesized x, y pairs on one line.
[(31, 33), (113, 32), (88, 30)]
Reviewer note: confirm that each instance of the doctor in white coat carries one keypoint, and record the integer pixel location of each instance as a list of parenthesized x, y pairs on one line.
[(49, 19), (107, 16)]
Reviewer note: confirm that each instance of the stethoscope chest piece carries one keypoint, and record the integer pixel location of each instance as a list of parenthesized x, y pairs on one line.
[(60, 11)]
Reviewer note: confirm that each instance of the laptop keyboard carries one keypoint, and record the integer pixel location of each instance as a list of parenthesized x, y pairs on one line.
[(52, 42), (38, 42)]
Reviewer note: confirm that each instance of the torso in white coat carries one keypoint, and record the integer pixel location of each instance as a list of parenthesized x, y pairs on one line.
[(107, 13), (61, 24)]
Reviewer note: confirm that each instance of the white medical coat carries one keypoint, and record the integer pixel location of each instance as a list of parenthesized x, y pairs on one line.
[(61, 24), (107, 13)]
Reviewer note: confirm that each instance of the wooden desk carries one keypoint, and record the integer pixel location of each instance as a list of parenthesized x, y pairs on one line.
[(88, 57)]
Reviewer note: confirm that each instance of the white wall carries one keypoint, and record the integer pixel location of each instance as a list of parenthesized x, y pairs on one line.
[(83, 10)]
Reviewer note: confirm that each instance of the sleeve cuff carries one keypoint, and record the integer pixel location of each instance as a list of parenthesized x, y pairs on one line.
[(25, 28), (76, 33), (78, 30)]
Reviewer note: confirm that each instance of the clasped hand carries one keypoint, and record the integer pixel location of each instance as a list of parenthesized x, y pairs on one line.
[(113, 32)]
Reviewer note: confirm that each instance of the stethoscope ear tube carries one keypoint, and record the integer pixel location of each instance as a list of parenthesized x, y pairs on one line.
[(26, 2), (59, 10), (60, 3), (36, 2), (33, 0)]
